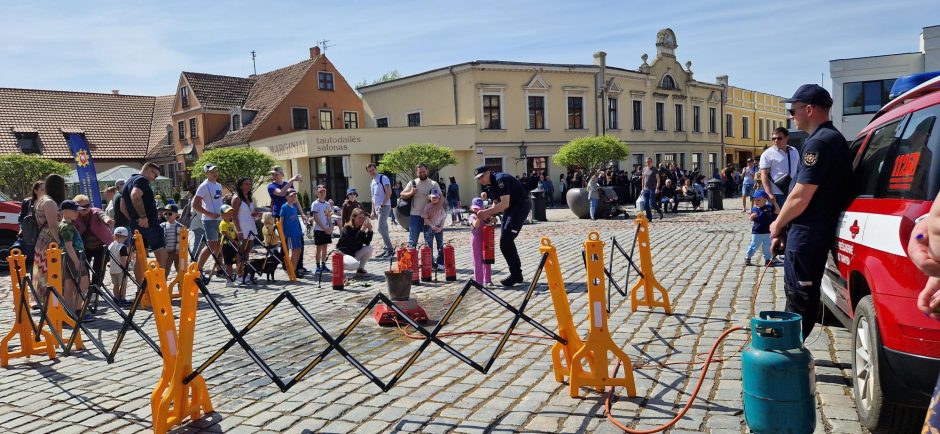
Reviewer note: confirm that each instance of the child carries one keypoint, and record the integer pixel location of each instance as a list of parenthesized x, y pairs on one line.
[(321, 211), (434, 217), (351, 203), (269, 231), (290, 219), (74, 258), (171, 238), (119, 256), (229, 241), (762, 214), (482, 273)]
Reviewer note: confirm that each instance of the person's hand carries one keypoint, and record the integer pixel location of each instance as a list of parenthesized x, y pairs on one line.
[(367, 224), (373, 215), (918, 249), (296, 178), (929, 298), (143, 222)]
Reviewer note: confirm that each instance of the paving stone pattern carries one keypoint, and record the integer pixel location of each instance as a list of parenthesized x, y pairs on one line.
[(697, 256)]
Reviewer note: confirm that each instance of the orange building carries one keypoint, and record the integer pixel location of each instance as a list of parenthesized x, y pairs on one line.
[(215, 110)]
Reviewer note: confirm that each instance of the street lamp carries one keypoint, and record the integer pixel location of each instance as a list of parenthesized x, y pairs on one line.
[(522, 150)]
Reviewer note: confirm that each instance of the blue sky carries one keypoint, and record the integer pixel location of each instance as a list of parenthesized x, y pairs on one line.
[(141, 47)]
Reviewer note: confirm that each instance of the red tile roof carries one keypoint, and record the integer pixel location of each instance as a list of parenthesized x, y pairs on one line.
[(220, 92), (158, 146), (117, 127)]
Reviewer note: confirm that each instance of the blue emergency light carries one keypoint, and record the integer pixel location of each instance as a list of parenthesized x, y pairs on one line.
[(908, 82)]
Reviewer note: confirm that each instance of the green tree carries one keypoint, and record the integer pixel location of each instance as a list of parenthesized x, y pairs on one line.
[(592, 153), (18, 172), (403, 160), (388, 76), (234, 163)]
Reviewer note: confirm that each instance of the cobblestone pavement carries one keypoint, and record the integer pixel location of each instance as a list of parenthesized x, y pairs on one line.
[(697, 256)]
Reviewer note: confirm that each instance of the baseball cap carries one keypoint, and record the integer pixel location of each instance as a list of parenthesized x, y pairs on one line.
[(321, 187), (291, 191), (120, 231), (119, 182), (479, 171), (277, 169), (352, 190), (172, 208), (208, 168), (760, 194), (813, 94), (477, 203), (434, 193), (69, 204), (226, 208)]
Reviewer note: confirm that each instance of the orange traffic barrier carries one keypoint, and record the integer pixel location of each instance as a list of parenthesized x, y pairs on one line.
[(599, 342), (172, 401), (56, 313), (182, 262), (22, 327), (647, 281), (561, 353), (291, 273)]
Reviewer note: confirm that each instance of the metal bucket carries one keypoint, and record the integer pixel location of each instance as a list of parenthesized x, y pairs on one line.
[(399, 285)]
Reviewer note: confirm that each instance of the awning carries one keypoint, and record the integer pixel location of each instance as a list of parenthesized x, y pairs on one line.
[(188, 148)]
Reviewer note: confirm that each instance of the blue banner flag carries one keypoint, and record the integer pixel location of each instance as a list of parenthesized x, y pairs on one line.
[(85, 166)]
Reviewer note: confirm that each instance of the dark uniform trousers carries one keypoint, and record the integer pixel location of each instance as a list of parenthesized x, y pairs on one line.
[(513, 219), (803, 271)]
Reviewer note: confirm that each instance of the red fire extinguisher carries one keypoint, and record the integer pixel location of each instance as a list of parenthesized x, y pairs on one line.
[(338, 274), (415, 276), (450, 263), (489, 244), (426, 261)]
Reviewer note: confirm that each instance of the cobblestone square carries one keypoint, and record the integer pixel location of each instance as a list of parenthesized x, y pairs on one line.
[(698, 257)]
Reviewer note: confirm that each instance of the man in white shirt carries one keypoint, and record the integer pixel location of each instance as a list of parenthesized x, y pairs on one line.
[(417, 191), (208, 201), (776, 162), (381, 188)]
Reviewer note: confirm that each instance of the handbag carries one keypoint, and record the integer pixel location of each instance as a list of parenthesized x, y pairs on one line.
[(783, 182), (404, 205)]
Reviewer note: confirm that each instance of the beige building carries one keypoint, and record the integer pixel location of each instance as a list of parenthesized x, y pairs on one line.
[(750, 118)]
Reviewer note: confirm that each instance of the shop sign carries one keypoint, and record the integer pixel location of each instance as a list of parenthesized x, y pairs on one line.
[(336, 144), (288, 150)]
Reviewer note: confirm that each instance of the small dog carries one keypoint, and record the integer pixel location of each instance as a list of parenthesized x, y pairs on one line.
[(266, 265)]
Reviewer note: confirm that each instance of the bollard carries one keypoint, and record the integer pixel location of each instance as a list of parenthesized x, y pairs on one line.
[(30, 345), (55, 310), (426, 263), (288, 265), (339, 274), (561, 353), (489, 244), (182, 262), (647, 281), (450, 263)]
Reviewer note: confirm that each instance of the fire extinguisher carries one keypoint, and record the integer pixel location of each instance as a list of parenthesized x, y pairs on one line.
[(338, 274), (489, 244), (450, 263), (426, 261), (415, 276)]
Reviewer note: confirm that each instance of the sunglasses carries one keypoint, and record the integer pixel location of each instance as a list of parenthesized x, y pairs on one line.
[(792, 110), (777, 138)]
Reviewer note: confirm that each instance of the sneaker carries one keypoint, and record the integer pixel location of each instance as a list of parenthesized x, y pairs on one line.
[(229, 283), (774, 263), (660, 215), (361, 272), (88, 318), (511, 281), (747, 262), (318, 270), (206, 280), (326, 270)]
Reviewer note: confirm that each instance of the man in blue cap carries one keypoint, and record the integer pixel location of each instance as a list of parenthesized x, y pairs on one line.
[(812, 208), (512, 199)]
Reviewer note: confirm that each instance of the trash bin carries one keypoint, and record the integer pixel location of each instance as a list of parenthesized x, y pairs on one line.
[(715, 194), (539, 203)]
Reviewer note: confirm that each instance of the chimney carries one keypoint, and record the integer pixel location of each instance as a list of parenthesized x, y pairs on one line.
[(115, 92), (721, 80), (314, 52)]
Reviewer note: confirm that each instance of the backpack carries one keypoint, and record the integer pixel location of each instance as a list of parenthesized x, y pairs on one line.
[(29, 227), (404, 206)]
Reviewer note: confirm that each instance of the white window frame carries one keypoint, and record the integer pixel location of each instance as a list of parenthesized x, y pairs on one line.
[(607, 112), (294, 127), (729, 128), (679, 121), (713, 128), (675, 85), (745, 122), (499, 94), (193, 132), (376, 121), (656, 105), (632, 126), (232, 121), (358, 124), (420, 117), (502, 160), (332, 80), (696, 119), (320, 119), (544, 96), (575, 94)]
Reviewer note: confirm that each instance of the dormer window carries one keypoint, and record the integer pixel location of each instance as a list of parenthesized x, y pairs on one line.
[(668, 82), (184, 96), (236, 122), (28, 142)]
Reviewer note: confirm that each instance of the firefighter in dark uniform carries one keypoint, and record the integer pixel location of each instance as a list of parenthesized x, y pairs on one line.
[(812, 208), (511, 198)]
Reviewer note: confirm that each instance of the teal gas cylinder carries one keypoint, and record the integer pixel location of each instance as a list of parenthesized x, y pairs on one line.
[(779, 379)]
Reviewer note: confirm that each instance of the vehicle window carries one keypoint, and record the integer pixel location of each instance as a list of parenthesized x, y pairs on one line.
[(867, 174), (854, 149), (913, 174)]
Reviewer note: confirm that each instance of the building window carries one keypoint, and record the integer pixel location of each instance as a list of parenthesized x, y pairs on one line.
[(300, 118), (712, 162), (865, 96), (28, 142), (325, 79), (612, 118), (350, 120), (192, 128), (712, 120), (326, 119), (537, 166), (745, 127), (679, 126), (495, 164), (729, 125), (575, 112), (637, 115), (536, 112), (667, 82), (660, 116), (181, 127), (381, 122), (236, 122), (696, 119), (491, 112), (184, 96), (414, 119)]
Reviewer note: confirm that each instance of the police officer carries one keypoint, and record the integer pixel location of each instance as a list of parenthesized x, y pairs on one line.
[(506, 191), (812, 208)]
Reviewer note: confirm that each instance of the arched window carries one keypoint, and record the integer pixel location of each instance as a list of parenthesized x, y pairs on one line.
[(668, 82), (236, 122)]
